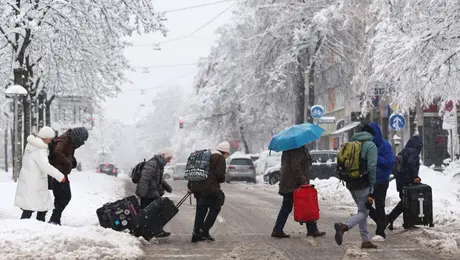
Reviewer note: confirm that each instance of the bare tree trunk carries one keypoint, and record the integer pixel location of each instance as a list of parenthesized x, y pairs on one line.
[(311, 78), (47, 111), (299, 93), (41, 110), (245, 143), (20, 78)]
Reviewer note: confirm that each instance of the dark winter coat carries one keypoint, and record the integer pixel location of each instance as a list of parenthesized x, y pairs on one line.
[(295, 167), (216, 176), (411, 160), (385, 156), (62, 154), (151, 185)]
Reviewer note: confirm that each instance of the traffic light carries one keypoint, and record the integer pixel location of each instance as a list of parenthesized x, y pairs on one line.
[(181, 124), (91, 119)]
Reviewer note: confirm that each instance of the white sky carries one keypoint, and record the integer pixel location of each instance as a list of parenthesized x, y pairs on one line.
[(127, 106)]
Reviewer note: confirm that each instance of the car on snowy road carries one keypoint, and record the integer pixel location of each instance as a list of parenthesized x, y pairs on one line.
[(240, 168), (179, 172), (168, 172), (108, 169), (324, 167)]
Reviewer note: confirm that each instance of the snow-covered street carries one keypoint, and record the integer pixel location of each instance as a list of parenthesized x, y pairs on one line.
[(79, 237), (243, 232)]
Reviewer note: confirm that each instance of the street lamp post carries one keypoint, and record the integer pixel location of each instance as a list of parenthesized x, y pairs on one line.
[(16, 91)]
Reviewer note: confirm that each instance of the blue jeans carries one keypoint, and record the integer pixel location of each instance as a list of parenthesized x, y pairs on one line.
[(286, 209)]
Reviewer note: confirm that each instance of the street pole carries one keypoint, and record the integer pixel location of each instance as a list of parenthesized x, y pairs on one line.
[(6, 147), (451, 137), (17, 145)]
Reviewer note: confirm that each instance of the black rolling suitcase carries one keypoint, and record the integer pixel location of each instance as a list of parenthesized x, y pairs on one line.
[(119, 215), (155, 216), (418, 205)]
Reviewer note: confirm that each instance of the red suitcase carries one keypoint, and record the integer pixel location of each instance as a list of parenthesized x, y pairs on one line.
[(306, 207)]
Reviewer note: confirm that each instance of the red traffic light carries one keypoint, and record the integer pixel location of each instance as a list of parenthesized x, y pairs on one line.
[(181, 121)]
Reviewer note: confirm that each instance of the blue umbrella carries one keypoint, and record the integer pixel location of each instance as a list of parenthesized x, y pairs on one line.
[(295, 137)]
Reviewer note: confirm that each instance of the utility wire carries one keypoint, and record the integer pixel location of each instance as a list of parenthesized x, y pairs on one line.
[(164, 83), (189, 35), (166, 66), (195, 6)]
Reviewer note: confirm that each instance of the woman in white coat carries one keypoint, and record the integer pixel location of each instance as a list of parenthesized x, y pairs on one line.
[(32, 192)]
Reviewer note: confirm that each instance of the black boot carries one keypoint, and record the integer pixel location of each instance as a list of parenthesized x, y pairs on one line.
[(197, 237), (208, 237)]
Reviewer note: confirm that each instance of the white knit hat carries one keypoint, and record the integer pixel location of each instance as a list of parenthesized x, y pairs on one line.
[(46, 132), (223, 147)]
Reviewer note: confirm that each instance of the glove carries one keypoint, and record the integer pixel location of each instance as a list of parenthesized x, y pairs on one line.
[(167, 187), (63, 180), (417, 180), (370, 200)]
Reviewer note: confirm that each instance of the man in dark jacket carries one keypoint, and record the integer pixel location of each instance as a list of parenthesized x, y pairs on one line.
[(385, 163), (411, 160), (151, 185), (62, 156), (209, 196), (295, 166)]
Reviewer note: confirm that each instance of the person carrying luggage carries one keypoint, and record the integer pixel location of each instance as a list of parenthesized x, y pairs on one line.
[(295, 167), (151, 184), (357, 161), (385, 164), (411, 165), (209, 196)]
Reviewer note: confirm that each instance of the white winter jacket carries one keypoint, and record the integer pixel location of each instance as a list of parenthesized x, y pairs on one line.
[(32, 191)]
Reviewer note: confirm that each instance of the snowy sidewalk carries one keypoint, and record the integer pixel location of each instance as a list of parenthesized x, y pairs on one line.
[(80, 237)]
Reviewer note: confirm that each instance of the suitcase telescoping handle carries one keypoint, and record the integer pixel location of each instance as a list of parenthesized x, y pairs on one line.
[(183, 200), (307, 186)]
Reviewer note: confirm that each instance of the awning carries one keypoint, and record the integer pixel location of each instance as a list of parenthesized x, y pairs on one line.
[(346, 128)]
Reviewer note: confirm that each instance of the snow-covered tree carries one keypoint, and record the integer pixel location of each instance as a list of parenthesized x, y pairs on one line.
[(415, 50), (62, 47)]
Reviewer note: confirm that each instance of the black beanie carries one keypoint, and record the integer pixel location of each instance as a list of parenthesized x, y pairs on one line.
[(369, 129), (78, 136)]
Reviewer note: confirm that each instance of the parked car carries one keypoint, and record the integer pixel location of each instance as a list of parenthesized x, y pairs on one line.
[(168, 172), (240, 168), (266, 160), (179, 172), (108, 169), (324, 166)]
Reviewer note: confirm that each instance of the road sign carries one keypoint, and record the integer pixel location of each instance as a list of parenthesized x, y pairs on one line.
[(449, 105), (326, 120), (397, 121), (317, 111)]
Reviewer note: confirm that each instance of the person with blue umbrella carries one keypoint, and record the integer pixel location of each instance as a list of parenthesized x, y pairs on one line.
[(295, 165)]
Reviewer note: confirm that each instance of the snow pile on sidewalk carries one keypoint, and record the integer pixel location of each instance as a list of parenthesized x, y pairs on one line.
[(80, 237)]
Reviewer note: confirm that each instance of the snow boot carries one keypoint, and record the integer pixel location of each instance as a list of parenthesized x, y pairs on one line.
[(340, 230), (163, 234), (197, 237), (368, 245), (280, 234), (208, 237), (316, 234)]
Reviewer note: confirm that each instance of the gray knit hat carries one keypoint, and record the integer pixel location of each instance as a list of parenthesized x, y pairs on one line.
[(78, 136)]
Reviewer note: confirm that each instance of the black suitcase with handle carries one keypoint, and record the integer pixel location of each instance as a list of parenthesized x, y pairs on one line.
[(152, 219), (418, 205), (119, 215)]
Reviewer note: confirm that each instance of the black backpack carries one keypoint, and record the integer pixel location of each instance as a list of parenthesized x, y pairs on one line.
[(137, 171)]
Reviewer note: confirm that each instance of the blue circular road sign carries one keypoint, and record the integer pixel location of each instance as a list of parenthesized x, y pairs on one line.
[(317, 111), (397, 121)]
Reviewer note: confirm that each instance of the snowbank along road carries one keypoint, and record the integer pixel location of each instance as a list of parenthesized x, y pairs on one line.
[(243, 229)]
